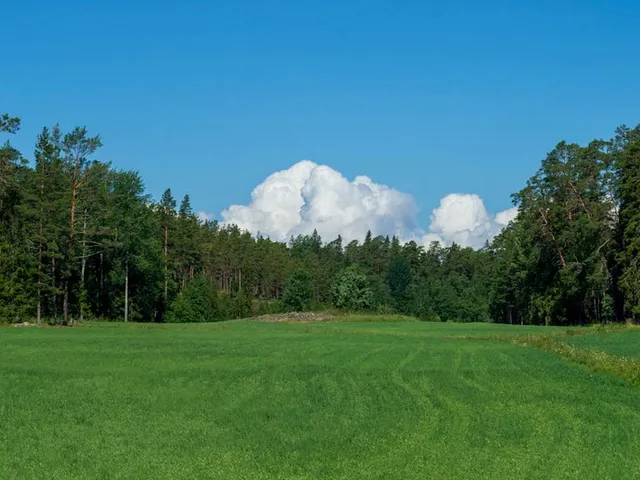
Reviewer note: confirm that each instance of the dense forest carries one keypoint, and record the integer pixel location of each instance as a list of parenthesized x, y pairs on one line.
[(81, 240)]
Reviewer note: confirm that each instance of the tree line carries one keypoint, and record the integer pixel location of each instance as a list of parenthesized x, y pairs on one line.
[(80, 239)]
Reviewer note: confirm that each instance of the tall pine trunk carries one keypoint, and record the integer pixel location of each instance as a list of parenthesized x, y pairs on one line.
[(166, 263), (53, 288), (126, 291), (72, 224), (38, 308), (100, 293), (39, 288), (84, 264), (65, 303), (40, 248)]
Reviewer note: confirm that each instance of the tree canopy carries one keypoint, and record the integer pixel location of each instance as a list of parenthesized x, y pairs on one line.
[(80, 239)]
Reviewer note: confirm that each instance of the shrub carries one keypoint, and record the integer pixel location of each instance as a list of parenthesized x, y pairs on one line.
[(351, 291), (267, 307), (197, 303), (298, 292)]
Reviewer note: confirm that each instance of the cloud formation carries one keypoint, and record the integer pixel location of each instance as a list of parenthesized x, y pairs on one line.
[(462, 218), (308, 196), (204, 217)]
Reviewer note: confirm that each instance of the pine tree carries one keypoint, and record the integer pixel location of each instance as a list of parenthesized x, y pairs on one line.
[(9, 124), (187, 246), (399, 278), (132, 227), (627, 152), (77, 146), (16, 267), (46, 202), (167, 210)]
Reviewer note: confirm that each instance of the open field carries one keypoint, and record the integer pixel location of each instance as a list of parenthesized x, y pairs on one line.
[(334, 400), (622, 344)]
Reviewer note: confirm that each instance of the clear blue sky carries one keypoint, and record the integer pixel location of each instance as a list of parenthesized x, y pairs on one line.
[(428, 97)]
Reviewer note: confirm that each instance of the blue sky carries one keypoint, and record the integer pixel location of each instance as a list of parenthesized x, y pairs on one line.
[(429, 98)]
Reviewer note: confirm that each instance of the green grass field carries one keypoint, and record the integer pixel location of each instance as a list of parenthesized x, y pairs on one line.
[(335, 400), (622, 344)]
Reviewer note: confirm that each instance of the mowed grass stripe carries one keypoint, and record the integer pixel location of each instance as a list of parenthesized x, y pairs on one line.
[(332, 400)]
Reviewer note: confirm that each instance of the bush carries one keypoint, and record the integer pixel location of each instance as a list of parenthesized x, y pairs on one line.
[(234, 305), (351, 291), (298, 292), (267, 307), (198, 303), (239, 305), (428, 315)]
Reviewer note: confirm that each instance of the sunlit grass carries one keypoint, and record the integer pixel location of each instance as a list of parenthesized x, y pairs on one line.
[(622, 342), (328, 400)]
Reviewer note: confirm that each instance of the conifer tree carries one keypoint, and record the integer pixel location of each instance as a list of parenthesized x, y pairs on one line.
[(627, 153)]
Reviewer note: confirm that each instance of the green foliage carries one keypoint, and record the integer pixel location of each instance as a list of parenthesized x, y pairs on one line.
[(555, 264), (267, 307), (627, 161), (9, 124), (399, 278), (236, 305), (79, 239), (351, 291), (298, 291), (197, 303)]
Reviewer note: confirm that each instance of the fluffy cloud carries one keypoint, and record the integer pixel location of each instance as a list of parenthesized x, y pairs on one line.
[(506, 216), (463, 219), (204, 217), (308, 196), (276, 204)]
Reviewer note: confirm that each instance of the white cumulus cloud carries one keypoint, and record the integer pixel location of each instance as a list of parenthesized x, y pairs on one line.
[(275, 204), (308, 196), (462, 218), (506, 216)]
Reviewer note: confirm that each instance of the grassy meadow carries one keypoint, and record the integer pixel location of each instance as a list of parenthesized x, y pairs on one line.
[(357, 399), (622, 343)]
